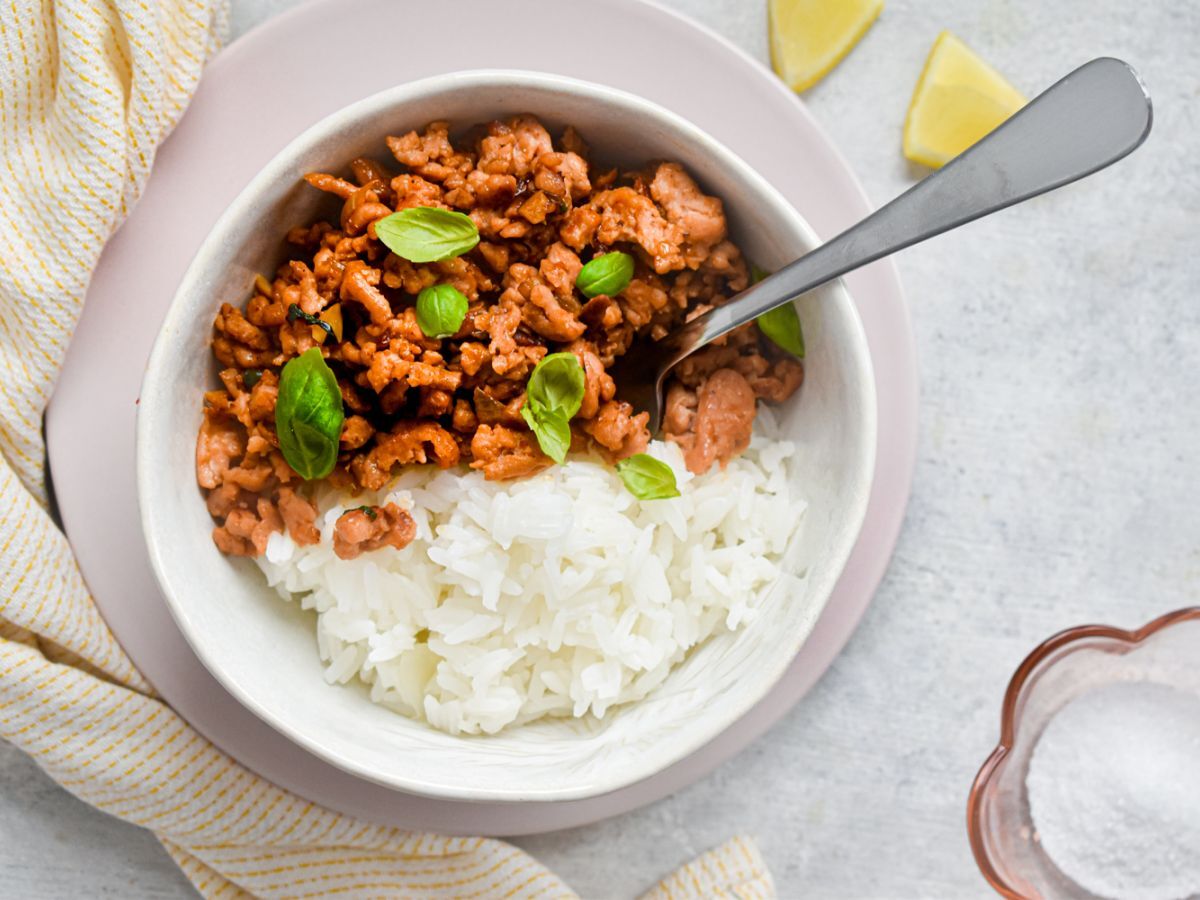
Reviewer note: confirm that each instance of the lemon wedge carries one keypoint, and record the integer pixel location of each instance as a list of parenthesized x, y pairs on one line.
[(958, 99), (810, 37)]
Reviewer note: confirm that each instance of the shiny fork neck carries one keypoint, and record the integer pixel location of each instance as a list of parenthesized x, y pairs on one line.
[(1093, 117)]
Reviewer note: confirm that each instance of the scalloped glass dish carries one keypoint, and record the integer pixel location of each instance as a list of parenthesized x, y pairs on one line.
[(1003, 837)]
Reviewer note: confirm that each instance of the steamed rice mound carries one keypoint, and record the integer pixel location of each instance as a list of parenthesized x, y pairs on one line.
[(557, 595)]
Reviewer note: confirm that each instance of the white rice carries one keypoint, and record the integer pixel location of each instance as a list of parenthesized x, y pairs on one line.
[(557, 595)]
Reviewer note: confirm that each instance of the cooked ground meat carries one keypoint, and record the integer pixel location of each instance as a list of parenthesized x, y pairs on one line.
[(371, 527), (714, 422), (542, 211)]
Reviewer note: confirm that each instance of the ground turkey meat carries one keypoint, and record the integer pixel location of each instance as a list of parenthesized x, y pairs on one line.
[(711, 424), (543, 210), (372, 527)]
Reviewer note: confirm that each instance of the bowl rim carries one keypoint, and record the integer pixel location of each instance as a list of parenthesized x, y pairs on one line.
[(656, 759), (1041, 655)]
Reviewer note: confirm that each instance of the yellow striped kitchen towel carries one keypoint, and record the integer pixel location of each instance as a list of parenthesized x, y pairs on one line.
[(88, 89)]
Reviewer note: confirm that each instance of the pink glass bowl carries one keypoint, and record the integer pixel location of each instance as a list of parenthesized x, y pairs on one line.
[(1003, 837)]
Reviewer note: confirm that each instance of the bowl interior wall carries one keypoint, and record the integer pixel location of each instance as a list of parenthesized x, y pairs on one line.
[(264, 649)]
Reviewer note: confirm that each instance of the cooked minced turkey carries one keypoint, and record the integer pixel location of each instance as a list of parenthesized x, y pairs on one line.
[(541, 212)]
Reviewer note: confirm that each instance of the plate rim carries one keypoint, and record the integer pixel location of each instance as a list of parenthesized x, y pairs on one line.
[(655, 758), (900, 461)]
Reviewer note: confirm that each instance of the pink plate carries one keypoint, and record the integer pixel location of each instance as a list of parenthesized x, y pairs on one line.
[(256, 96)]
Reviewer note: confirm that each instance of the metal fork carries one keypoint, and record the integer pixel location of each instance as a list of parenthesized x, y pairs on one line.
[(1090, 119)]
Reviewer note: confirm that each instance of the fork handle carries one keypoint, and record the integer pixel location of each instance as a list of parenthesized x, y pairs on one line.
[(1088, 120)]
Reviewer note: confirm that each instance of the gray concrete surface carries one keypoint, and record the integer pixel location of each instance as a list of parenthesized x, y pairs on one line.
[(1056, 484)]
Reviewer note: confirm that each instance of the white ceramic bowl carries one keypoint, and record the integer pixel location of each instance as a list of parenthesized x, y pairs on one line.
[(263, 650)]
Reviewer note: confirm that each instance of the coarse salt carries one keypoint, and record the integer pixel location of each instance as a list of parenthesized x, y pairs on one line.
[(1114, 791)]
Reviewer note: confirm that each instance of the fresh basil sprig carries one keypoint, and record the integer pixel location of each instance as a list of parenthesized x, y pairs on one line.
[(608, 274), (648, 478), (553, 395), (441, 309), (309, 415), (423, 234), (556, 384), (552, 430), (781, 325)]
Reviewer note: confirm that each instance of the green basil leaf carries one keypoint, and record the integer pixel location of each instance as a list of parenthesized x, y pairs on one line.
[(781, 325), (309, 415), (648, 478), (556, 385), (608, 274), (251, 377), (552, 430), (441, 309), (424, 234)]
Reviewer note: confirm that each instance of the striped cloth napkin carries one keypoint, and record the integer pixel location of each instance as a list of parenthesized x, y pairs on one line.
[(88, 89)]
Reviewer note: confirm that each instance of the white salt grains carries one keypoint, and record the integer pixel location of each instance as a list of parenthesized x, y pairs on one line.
[(1114, 791)]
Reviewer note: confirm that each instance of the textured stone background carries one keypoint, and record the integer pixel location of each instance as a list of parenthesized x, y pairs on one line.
[(1056, 484)]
